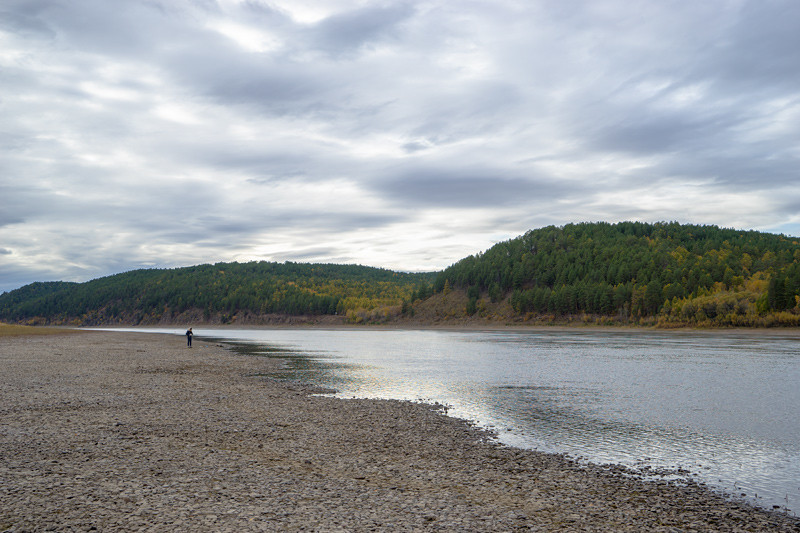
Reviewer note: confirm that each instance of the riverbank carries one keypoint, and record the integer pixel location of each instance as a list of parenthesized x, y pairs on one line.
[(128, 431)]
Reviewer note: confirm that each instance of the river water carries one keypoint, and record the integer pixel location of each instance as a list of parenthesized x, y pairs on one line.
[(724, 406)]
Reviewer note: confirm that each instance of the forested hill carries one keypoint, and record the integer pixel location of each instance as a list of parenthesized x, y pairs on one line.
[(663, 273), (253, 292)]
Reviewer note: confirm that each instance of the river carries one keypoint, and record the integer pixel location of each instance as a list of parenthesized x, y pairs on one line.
[(720, 407)]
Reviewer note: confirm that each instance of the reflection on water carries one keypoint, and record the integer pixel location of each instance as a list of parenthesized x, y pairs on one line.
[(724, 406)]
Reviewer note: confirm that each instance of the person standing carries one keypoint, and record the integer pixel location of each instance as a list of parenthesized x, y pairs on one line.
[(189, 337)]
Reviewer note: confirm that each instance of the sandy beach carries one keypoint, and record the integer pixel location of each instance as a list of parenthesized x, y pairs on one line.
[(103, 431)]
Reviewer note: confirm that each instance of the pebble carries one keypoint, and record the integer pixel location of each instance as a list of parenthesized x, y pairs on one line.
[(109, 431)]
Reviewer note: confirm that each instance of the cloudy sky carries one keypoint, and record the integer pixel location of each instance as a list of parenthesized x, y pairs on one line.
[(402, 134)]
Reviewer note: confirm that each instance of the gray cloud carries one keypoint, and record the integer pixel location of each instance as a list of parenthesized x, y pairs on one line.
[(759, 53), (350, 31), (658, 131), (451, 188), (403, 134)]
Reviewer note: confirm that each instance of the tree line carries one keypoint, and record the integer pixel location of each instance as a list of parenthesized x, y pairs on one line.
[(219, 292), (663, 273)]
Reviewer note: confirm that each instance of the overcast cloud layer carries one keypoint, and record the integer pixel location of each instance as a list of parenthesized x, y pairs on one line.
[(403, 134)]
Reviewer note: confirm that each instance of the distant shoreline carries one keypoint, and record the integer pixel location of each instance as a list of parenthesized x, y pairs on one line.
[(782, 331)]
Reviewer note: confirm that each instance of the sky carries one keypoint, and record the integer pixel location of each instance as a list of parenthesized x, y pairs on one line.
[(400, 134)]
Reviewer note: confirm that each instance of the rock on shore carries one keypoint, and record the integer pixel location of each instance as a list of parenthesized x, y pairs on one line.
[(106, 431)]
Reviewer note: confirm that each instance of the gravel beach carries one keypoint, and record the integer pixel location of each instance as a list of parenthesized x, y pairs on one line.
[(108, 431)]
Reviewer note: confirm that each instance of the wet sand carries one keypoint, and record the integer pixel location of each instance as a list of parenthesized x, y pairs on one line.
[(136, 432)]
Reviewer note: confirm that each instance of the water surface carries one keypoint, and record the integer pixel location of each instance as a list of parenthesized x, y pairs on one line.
[(723, 406)]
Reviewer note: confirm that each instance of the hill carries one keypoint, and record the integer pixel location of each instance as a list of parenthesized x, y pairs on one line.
[(665, 273), (255, 292)]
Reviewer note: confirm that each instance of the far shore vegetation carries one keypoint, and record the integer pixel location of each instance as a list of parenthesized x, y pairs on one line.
[(665, 275), (14, 330)]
